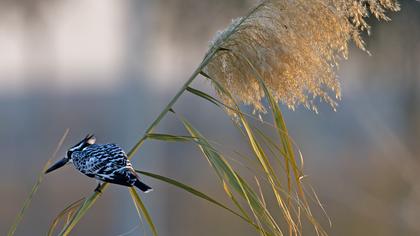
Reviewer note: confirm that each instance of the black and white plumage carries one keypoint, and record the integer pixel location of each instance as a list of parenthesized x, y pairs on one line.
[(104, 162)]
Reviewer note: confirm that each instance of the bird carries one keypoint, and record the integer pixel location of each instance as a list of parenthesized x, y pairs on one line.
[(104, 162)]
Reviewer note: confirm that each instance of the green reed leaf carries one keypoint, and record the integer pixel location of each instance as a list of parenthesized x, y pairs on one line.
[(67, 212), (287, 149), (232, 179), (80, 212), (142, 210), (197, 193), (264, 162), (169, 137), (203, 95)]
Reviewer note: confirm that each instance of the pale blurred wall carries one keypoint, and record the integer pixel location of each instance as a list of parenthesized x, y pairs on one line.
[(109, 67)]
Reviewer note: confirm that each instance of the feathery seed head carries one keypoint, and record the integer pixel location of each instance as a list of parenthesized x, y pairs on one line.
[(295, 46)]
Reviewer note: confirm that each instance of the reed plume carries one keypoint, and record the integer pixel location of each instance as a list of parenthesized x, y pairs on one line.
[(295, 46)]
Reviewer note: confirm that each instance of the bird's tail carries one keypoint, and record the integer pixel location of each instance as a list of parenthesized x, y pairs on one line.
[(142, 186)]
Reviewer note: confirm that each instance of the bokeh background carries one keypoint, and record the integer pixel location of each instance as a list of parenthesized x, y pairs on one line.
[(109, 67)]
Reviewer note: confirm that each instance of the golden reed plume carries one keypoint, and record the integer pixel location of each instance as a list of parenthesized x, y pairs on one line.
[(295, 46)]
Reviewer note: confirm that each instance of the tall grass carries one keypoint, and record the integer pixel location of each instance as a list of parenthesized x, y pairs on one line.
[(282, 52), (38, 182)]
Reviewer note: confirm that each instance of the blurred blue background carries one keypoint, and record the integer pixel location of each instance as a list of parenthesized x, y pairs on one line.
[(109, 67)]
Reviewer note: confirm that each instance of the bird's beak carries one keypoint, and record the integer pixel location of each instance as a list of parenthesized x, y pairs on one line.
[(57, 165)]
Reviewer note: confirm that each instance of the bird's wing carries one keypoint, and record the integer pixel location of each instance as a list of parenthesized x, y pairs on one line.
[(121, 176), (105, 159), (109, 163)]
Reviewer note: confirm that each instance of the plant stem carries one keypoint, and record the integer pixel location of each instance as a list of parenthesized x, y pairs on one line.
[(162, 114), (92, 199), (210, 54)]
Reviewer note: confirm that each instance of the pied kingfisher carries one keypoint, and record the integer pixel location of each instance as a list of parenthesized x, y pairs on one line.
[(104, 162)]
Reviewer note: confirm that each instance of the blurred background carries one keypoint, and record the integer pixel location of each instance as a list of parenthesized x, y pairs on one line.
[(109, 67)]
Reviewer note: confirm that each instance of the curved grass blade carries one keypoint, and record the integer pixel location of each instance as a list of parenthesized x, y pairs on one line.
[(199, 194), (233, 198), (279, 150), (280, 124), (220, 104), (286, 147), (142, 210), (38, 182), (264, 161), (67, 211), (229, 176), (238, 205), (223, 170), (205, 144), (28, 200), (169, 137), (81, 212), (203, 95), (270, 173)]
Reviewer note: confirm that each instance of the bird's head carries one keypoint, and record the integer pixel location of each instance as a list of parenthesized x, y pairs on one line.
[(87, 141)]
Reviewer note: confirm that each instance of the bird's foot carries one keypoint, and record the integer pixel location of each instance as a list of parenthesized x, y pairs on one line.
[(98, 188)]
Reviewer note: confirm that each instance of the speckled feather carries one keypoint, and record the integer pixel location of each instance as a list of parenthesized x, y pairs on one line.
[(104, 162)]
